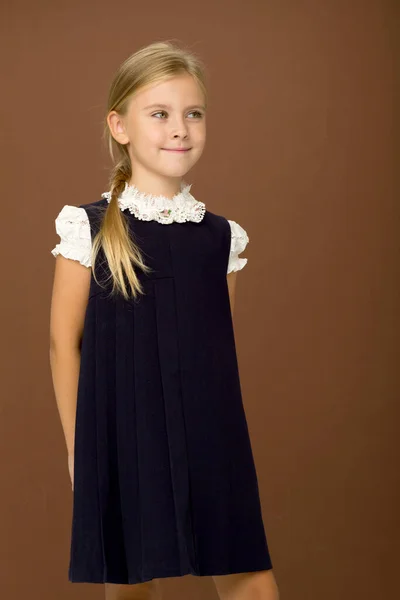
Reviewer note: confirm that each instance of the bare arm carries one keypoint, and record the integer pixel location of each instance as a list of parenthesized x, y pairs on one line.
[(68, 306), (231, 278)]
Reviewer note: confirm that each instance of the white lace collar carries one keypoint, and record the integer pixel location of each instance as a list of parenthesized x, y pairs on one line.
[(146, 207)]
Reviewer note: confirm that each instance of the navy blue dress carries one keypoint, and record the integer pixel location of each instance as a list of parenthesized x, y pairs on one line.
[(165, 483)]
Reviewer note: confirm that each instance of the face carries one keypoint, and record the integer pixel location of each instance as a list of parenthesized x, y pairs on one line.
[(162, 118)]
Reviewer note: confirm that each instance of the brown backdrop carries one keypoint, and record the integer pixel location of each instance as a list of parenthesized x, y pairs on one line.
[(300, 153)]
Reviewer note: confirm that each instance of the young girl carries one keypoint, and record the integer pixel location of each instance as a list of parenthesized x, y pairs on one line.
[(143, 356)]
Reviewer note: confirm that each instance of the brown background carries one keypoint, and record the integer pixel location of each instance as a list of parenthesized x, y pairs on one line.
[(300, 153)]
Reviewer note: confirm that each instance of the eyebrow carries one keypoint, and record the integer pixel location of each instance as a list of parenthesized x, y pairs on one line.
[(159, 105)]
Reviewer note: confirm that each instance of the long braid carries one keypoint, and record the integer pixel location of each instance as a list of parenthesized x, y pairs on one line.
[(121, 253)]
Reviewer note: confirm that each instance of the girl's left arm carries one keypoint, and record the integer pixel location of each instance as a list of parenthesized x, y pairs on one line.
[(231, 278)]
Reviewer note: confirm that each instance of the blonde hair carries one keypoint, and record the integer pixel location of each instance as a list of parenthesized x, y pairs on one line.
[(155, 62)]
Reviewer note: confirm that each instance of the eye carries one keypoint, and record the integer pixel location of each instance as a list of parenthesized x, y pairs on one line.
[(160, 112), (197, 112)]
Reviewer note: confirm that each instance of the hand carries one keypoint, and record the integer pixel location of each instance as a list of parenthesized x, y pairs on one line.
[(71, 468)]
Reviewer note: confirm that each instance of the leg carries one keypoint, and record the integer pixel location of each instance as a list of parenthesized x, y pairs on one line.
[(149, 590), (256, 585)]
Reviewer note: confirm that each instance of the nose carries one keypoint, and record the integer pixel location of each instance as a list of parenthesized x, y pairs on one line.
[(179, 128)]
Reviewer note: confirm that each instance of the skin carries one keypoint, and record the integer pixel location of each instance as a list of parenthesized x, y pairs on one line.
[(147, 132)]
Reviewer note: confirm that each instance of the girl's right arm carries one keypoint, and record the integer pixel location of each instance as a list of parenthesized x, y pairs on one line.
[(68, 306)]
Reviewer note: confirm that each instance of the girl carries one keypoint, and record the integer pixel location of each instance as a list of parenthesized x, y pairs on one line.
[(143, 356)]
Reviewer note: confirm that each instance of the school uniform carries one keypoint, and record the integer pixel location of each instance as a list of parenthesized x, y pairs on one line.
[(164, 478)]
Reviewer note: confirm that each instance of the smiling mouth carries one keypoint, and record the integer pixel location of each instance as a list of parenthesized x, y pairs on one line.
[(177, 149)]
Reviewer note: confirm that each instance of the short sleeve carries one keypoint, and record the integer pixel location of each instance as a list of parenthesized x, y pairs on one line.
[(73, 227), (239, 241)]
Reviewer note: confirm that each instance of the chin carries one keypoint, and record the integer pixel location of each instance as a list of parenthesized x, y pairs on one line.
[(181, 172)]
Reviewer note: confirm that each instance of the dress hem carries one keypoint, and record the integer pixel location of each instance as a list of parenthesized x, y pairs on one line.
[(170, 573)]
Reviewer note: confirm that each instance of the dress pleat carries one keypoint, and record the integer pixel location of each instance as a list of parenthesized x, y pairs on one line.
[(168, 351)]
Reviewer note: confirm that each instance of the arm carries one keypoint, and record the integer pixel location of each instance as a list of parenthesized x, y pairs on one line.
[(68, 307), (231, 278)]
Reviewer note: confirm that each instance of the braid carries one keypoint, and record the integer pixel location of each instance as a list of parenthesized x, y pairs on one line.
[(120, 174), (121, 253)]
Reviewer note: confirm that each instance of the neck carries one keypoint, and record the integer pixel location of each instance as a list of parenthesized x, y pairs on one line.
[(156, 185)]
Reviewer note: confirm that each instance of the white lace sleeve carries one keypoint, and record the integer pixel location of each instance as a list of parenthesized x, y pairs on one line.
[(73, 227), (239, 241)]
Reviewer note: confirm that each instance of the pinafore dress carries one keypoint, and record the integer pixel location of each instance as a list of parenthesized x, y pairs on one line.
[(164, 478)]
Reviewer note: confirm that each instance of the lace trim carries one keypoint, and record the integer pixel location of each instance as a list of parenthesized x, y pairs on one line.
[(74, 252), (147, 207)]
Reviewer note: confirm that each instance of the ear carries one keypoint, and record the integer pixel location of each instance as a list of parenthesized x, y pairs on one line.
[(117, 127)]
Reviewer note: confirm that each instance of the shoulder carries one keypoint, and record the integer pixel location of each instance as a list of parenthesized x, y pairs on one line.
[(239, 237), (213, 218), (235, 230), (71, 216), (94, 205), (70, 219), (94, 213), (72, 225), (239, 241), (236, 236)]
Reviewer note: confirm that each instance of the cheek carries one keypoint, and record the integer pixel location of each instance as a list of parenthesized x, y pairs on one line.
[(154, 136), (199, 134), (148, 137), (199, 141)]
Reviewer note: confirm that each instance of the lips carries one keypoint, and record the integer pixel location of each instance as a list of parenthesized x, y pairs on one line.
[(177, 149)]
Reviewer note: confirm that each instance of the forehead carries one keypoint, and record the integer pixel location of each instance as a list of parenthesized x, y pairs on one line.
[(180, 91)]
